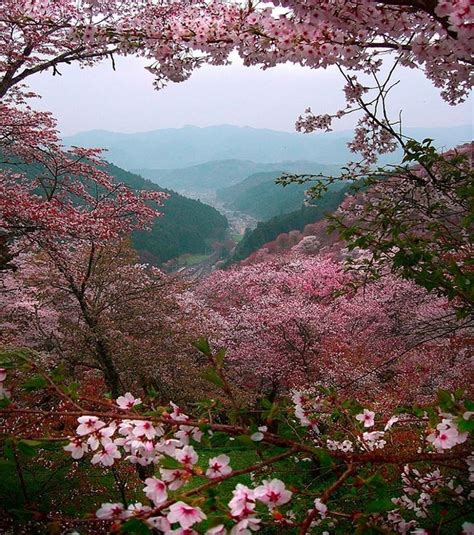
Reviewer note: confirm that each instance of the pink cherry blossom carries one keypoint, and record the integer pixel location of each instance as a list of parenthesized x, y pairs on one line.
[(187, 456), (144, 428), (77, 448), (107, 455), (446, 436), (136, 509), (88, 424), (243, 501), (218, 466), (110, 511), (320, 507), (3, 374), (217, 530), (273, 493), (186, 432), (177, 414), (127, 401), (185, 515), (366, 417), (175, 478), (155, 490), (246, 526), (101, 436)]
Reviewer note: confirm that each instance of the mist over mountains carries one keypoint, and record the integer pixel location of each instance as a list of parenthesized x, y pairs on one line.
[(189, 146)]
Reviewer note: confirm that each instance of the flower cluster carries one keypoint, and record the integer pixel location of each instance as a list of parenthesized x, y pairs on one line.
[(446, 435)]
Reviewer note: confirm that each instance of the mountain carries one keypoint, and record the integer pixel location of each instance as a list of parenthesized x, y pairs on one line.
[(187, 226), (227, 173), (260, 197), (188, 146), (206, 176), (269, 230)]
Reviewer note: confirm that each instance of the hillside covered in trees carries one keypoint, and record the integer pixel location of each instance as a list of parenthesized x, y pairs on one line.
[(187, 226), (268, 231)]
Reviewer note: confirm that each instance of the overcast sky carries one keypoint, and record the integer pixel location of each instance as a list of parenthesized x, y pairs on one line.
[(125, 101)]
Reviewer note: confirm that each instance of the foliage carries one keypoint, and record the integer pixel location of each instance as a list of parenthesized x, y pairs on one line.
[(269, 230), (260, 197), (353, 469), (188, 226), (418, 221)]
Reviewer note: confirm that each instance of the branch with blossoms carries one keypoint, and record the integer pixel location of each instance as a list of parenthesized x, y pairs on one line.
[(188, 461)]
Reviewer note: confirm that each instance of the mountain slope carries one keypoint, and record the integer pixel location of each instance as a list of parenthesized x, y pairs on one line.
[(260, 197), (183, 147), (188, 226), (225, 174), (269, 230)]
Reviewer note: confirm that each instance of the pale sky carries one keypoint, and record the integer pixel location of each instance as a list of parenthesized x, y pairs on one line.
[(125, 101)]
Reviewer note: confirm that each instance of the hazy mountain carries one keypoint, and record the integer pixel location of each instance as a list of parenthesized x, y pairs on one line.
[(260, 197), (183, 147), (225, 173)]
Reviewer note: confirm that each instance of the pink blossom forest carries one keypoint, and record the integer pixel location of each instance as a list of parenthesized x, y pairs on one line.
[(319, 384)]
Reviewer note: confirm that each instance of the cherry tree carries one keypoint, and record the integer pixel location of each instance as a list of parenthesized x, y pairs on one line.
[(292, 321), (102, 314)]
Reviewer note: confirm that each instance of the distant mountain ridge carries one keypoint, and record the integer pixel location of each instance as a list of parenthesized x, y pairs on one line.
[(191, 145), (224, 174)]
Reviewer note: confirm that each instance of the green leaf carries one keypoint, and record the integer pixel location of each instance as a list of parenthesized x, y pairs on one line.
[(135, 526), (465, 425), (212, 376), (245, 440), (36, 382), (170, 463), (379, 505), (445, 400), (28, 447), (220, 356), (202, 345), (469, 405), (375, 480), (4, 402), (324, 458)]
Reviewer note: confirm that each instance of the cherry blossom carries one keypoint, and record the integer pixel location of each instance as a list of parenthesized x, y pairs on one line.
[(88, 424), (468, 528), (77, 448), (185, 514), (217, 530), (446, 435), (127, 401), (174, 478), (219, 466), (366, 417), (186, 432), (155, 490), (136, 509), (320, 507), (273, 493), (145, 429), (259, 435), (110, 511), (246, 526), (186, 455), (243, 501), (107, 455)]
